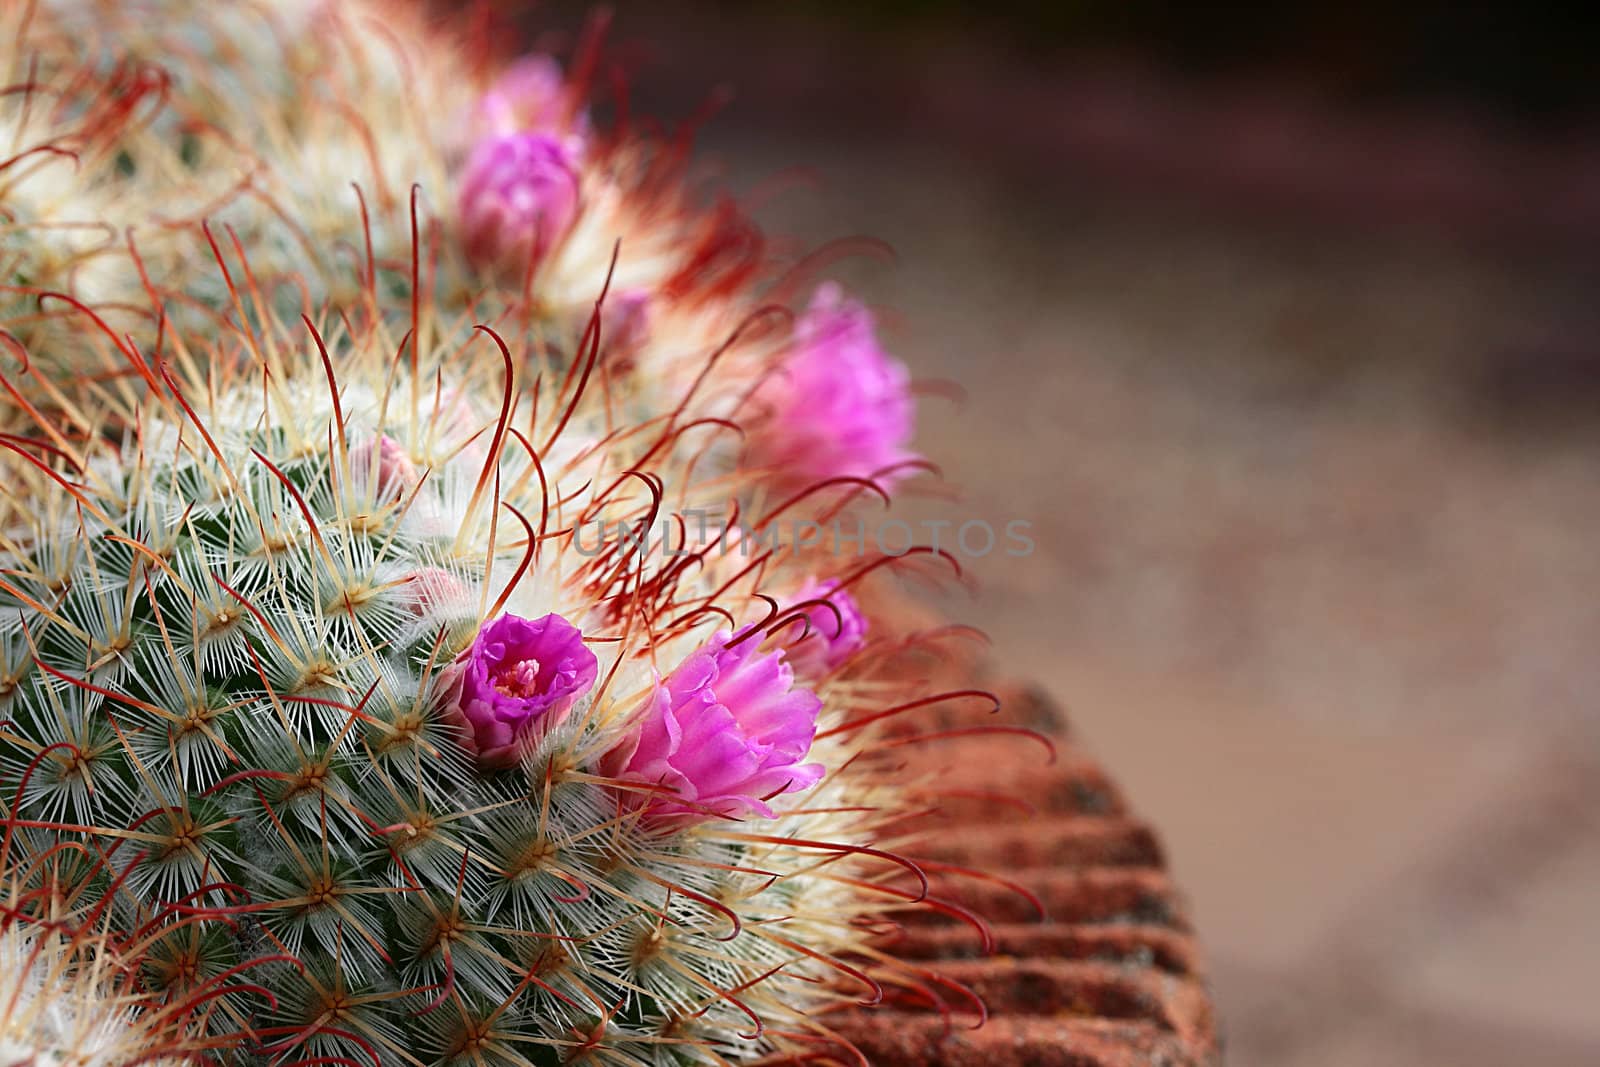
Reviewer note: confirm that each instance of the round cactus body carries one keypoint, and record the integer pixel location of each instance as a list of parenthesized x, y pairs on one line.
[(369, 684), (251, 650)]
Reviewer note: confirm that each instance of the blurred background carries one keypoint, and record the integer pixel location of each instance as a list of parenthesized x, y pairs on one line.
[(1282, 328)]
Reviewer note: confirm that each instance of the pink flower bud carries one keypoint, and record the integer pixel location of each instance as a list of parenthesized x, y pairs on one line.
[(841, 406), (529, 96), (384, 465), (428, 589), (827, 633), (625, 326), (518, 197)]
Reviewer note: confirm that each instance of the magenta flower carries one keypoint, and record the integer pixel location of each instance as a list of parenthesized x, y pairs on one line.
[(518, 197), (841, 406), (826, 634), (530, 96), (724, 733), (519, 678)]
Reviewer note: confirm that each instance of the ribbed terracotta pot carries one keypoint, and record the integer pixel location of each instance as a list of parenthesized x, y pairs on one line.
[(1109, 976)]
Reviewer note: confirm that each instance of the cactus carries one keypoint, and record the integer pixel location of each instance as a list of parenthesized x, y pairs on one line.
[(228, 638), (58, 1005), (69, 997), (64, 195), (310, 693), (332, 140)]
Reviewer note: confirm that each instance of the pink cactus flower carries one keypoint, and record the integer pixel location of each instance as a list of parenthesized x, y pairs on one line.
[(723, 734), (530, 96), (519, 678), (841, 406), (518, 197), (385, 465), (828, 633)]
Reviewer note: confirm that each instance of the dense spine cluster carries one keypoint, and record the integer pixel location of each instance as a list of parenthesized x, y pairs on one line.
[(310, 705), (62, 1002), (224, 637)]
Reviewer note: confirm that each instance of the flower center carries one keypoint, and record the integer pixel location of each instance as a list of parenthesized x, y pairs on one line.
[(517, 679)]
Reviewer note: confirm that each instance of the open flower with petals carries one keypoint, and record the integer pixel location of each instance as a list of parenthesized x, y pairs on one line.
[(519, 678), (828, 631), (722, 734), (841, 407)]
